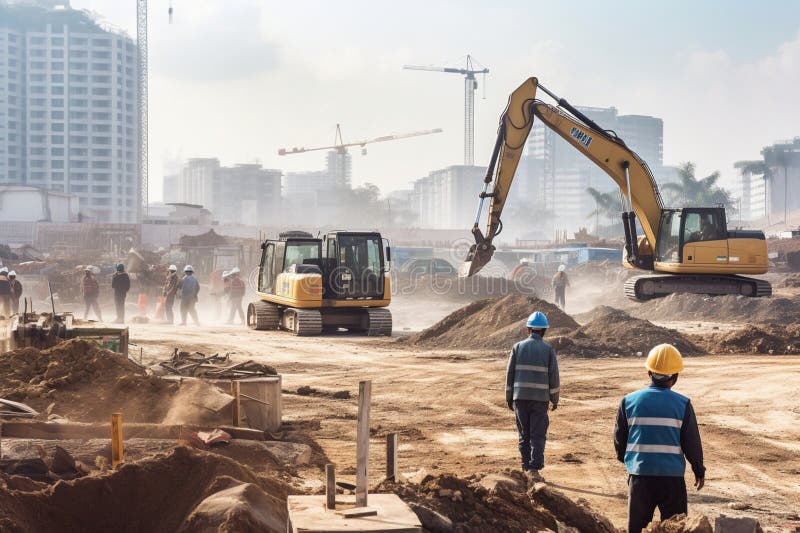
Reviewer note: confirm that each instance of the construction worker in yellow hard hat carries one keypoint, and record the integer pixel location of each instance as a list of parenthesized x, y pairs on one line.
[(656, 432)]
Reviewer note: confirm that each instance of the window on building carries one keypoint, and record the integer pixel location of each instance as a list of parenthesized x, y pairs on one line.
[(57, 188), (57, 90), (101, 140), (78, 176), (77, 65), (101, 91), (78, 127), (78, 102), (101, 116), (101, 54), (36, 163), (38, 65), (37, 126), (101, 152), (101, 67), (33, 40), (38, 89), (79, 91), (57, 54), (77, 188), (57, 102), (37, 78), (78, 151), (79, 41), (77, 163), (101, 176), (38, 139), (57, 78), (78, 54), (78, 78), (57, 163), (101, 103), (36, 151), (56, 65), (58, 176), (37, 52), (57, 139), (101, 79), (58, 126), (57, 41), (57, 152), (101, 42), (102, 189), (37, 176), (56, 115), (78, 139)]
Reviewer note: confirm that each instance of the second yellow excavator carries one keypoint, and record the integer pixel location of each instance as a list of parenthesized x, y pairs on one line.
[(686, 250)]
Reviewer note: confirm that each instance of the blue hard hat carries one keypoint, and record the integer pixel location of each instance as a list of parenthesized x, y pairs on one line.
[(537, 320)]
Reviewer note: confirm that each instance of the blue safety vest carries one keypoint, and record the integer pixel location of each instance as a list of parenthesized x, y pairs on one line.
[(655, 416)]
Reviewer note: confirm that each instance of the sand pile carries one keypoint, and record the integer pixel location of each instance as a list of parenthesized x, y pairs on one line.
[(769, 339), (85, 382), (720, 308), (494, 503), (494, 324), (614, 332), (682, 524), (791, 281), (184, 491)]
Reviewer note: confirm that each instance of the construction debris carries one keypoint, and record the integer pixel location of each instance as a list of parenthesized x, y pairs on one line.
[(214, 366)]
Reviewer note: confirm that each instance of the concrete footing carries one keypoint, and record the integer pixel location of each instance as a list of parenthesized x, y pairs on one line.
[(391, 515)]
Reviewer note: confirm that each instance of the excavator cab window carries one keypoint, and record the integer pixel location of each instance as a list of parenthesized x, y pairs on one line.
[(358, 268), (266, 278), (301, 253), (669, 236), (703, 225)]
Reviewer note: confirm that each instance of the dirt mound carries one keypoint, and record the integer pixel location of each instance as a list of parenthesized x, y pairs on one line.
[(765, 339), (494, 503), (166, 493), (791, 281), (495, 323), (614, 332), (85, 381), (681, 524), (727, 308)]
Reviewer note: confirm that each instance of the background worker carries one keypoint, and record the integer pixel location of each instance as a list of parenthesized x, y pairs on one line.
[(236, 292), (560, 284), (91, 292), (5, 293), (121, 283), (16, 292), (169, 291), (189, 288), (532, 381), (656, 431)]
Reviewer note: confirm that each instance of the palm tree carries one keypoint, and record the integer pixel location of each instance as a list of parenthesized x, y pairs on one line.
[(693, 192), (607, 204)]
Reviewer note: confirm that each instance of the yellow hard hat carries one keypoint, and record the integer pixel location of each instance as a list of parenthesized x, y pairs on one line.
[(664, 359)]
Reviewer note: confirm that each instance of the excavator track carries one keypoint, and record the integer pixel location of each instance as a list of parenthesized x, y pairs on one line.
[(263, 315), (302, 322), (379, 322), (642, 288)]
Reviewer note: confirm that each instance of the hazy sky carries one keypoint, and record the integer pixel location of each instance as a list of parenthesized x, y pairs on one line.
[(238, 79)]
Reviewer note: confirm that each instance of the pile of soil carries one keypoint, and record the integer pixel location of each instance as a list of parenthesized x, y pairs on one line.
[(727, 308), (495, 323), (770, 339), (791, 281), (614, 332), (185, 490), (85, 382), (495, 503), (681, 524)]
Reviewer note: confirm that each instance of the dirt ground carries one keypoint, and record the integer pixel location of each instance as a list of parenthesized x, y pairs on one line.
[(449, 409)]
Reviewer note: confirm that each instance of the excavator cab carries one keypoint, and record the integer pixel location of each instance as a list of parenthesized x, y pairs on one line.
[(309, 285)]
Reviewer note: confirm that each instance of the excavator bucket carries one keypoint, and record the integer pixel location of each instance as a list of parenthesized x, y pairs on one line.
[(479, 254)]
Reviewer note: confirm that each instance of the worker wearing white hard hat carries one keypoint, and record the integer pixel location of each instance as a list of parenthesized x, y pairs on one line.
[(16, 292), (169, 291), (560, 284), (188, 289)]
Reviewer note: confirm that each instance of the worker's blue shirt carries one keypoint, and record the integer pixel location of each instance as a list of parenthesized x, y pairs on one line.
[(190, 287), (532, 372), (655, 416)]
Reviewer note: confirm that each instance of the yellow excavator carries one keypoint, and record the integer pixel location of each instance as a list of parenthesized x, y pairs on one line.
[(686, 250), (309, 285)]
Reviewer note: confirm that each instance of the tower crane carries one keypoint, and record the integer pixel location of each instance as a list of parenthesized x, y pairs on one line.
[(470, 84), (341, 147)]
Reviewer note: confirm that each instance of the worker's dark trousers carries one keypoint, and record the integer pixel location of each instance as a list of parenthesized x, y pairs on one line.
[(236, 307), (91, 303), (15, 305), (119, 302), (645, 493), (169, 304), (532, 424), (5, 303), (188, 308), (560, 296)]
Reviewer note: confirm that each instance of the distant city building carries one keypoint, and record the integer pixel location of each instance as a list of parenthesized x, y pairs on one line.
[(751, 190), (782, 160), (315, 188), (243, 194), (171, 188), (68, 108), (447, 198), (554, 176)]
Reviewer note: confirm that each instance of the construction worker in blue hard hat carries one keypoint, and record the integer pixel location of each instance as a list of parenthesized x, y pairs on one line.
[(656, 432), (532, 383)]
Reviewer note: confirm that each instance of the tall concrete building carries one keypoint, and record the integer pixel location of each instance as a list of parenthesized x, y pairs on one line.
[(782, 160), (751, 189), (243, 194), (554, 176), (68, 115), (447, 198)]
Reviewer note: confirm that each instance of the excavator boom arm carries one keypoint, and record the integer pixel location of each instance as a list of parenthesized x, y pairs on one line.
[(602, 148)]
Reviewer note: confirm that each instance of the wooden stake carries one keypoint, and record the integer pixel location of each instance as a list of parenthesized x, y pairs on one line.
[(362, 443), (116, 439), (391, 457), (330, 486), (235, 392)]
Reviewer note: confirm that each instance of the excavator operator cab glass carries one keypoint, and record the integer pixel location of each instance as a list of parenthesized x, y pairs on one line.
[(356, 262), (669, 236), (703, 225), (302, 253)]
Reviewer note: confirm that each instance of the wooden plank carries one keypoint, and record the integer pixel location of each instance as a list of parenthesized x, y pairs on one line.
[(117, 454), (358, 512), (236, 410), (330, 486), (362, 443), (391, 457)]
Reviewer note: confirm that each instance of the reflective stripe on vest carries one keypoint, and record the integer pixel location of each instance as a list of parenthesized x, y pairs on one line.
[(655, 416)]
